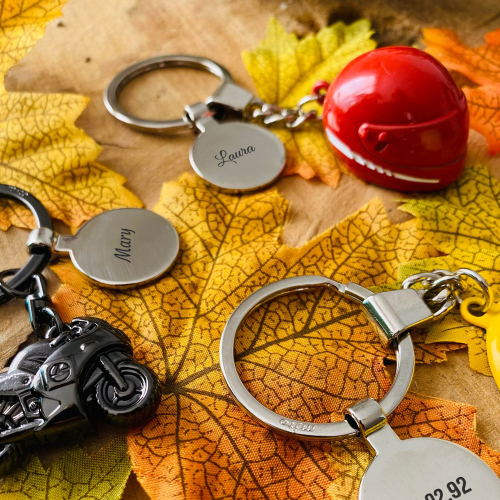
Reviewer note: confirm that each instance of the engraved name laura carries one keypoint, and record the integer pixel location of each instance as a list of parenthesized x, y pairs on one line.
[(123, 253), (232, 157), (297, 426)]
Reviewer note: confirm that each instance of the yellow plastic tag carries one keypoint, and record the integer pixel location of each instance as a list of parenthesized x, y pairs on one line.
[(490, 321)]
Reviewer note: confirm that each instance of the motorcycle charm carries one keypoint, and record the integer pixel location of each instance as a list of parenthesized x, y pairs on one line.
[(72, 376)]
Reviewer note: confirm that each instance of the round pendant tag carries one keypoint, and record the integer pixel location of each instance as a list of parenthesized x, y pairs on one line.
[(123, 247), (238, 156), (428, 469)]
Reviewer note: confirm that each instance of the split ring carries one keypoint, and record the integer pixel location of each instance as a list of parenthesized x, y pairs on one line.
[(405, 357), (112, 93)]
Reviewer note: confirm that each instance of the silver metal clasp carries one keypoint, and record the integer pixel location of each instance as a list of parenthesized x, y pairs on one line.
[(41, 237), (233, 97), (395, 312)]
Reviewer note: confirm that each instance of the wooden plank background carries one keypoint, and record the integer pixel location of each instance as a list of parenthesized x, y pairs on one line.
[(95, 39)]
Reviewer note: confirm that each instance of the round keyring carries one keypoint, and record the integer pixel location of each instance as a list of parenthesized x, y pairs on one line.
[(112, 93), (405, 357), (39, 255)]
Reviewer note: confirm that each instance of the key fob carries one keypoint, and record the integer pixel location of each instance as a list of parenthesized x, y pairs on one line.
[(123, 247)]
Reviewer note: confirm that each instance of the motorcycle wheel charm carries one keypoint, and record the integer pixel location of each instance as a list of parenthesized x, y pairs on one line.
[(235, 156), (396, 118), (413, 469)]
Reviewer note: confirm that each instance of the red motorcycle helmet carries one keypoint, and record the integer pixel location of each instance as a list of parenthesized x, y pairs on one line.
[(397, 119)]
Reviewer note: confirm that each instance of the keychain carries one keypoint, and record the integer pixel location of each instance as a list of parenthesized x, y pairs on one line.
[(73, 375), (394, 115), (411, 469), (118, 248), (235, 156), (490, 321)]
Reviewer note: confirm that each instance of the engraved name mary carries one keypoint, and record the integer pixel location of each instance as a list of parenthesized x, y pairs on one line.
[(123, 251)]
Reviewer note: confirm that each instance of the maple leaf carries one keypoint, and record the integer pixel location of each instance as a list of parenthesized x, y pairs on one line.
[(484, 111), (42, 151), (306, 355), (416, 416), (74, 476), (482, 66), (462, 223), (284, 69)]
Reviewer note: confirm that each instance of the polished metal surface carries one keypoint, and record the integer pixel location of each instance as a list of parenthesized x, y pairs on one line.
[(368, 417), (234, 156), (112, 93), (40, 237), (232, 97), (483, 285), (435, 282), (396, 311), (426, 469), (123, 247), (307, 430), (417, 468)]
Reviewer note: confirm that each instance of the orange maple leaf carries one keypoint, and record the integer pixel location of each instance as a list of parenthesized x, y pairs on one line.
[(484, 109), (307, 355), (482, 66)]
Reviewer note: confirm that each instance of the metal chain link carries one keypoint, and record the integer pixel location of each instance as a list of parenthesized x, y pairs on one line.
[(45, 320), (442, 290), (292, 118)]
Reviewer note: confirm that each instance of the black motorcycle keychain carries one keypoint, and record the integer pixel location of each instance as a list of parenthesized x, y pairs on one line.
[(73, 375)]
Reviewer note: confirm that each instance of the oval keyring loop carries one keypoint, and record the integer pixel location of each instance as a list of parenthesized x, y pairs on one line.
[(112, 93), (405, 357), (39, 256)]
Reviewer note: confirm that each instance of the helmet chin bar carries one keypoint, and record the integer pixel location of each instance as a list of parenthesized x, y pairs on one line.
[(360, 160)]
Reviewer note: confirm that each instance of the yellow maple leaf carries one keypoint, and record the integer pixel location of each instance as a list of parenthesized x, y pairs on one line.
[(308, 355), (42, 151), (481, 65), (74, 476), (284, 69), (462, 223)]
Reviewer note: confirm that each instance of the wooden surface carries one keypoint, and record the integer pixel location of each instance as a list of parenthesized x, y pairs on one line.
[(82, 52)]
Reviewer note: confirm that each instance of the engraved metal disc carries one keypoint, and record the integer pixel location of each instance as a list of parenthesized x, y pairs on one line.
[(123, 247), (428, 469), (238, 156)]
